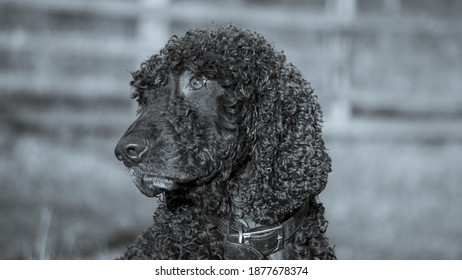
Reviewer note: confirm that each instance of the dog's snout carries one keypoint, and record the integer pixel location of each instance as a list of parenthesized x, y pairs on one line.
[(131, 150)]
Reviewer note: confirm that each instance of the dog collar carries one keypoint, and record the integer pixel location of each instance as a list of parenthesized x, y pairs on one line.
[(241, 242)]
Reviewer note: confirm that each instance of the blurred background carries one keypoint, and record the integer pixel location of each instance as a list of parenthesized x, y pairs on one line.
[(387, 73)]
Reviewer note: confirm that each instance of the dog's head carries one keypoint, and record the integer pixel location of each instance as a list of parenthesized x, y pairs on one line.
[(176, 138), (221, 103)]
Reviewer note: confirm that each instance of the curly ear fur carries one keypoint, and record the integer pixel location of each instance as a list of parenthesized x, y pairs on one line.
[(280, 122), (289, 161)]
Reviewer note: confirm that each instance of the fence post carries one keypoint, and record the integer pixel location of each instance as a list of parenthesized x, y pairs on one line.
[(153, 27), (339, 47), (392, 6)]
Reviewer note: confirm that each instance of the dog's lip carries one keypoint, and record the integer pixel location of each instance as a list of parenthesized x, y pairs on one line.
[(159, 182), (152, 185), (149, 191)]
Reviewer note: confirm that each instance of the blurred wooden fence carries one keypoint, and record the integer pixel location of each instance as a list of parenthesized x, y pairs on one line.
[(379, 67), (75, 47)]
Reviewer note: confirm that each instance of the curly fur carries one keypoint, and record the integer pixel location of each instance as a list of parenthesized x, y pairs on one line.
[(256, 158)]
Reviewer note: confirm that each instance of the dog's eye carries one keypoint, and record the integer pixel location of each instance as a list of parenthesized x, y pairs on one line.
[(197, 83)]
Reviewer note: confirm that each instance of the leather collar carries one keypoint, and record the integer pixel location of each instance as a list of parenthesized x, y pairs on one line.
[(241, 242)]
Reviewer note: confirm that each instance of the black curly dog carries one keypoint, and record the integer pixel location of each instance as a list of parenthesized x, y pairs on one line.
[(228, 135)]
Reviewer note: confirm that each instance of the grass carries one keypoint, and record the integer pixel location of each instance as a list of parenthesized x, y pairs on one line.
[(64, 195), (68, 201), (395, 200)]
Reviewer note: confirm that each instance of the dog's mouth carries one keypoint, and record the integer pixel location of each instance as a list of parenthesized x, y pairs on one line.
[(152, 185)]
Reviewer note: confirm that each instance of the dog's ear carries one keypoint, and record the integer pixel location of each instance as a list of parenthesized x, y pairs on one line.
[(288, 158)]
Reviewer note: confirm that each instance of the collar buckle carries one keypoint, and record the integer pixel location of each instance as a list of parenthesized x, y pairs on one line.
[(261, 235)]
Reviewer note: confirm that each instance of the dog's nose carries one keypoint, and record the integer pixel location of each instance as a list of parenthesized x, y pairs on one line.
[(131, 150)]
